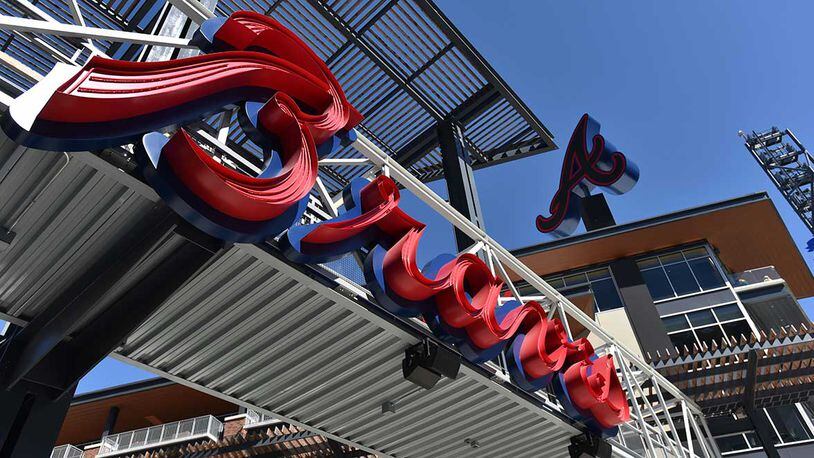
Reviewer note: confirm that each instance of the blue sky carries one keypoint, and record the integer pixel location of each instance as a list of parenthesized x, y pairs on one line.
[(670, 82)]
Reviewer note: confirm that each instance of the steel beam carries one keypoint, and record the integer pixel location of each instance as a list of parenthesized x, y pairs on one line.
[(58, 320), (463, 194), (30, 423), (101, 336)]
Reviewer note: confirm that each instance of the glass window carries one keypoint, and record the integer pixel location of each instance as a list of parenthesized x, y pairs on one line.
[(598, 274), (737, 329), (556, 283), (789, 423), (708, 334), (681, 339), (671, 258), (731, 443), (657, 283), (695, 253), (706, 273), (701, 317), (753, 440), (648, 263), (728, 312), (605, 294), (573, 280), (675, 323), (681, 278)]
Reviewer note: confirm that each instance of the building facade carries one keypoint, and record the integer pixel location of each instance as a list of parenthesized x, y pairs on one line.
[(160, 418), (701, 283)]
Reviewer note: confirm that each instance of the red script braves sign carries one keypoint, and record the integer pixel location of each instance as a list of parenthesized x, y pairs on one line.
[(294, 109)]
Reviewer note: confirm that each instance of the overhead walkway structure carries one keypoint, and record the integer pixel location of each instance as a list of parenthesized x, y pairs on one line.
[(306, 344)]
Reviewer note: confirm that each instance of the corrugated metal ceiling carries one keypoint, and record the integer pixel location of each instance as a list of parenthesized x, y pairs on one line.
[(253, 328)]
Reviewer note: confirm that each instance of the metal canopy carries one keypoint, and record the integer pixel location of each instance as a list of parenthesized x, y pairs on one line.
[(401, 63)]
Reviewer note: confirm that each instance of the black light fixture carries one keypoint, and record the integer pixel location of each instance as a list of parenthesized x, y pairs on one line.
[(426, 362), (6, 238)]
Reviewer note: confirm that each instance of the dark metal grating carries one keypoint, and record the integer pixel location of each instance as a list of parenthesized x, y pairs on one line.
[(401, 63)]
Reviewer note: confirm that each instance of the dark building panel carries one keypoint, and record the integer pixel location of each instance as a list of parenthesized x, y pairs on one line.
[(642, 313), (695, 302)]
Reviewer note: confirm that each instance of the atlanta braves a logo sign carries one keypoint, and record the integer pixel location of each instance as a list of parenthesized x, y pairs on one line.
[(292, 106), (582, 169)]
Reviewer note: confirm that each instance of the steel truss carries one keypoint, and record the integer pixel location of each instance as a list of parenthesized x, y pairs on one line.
[(789, 166), (664, 422)]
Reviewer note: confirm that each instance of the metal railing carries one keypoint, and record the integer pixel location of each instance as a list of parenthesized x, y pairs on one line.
[(66, 451), (754, 276), (255, 419), (203, 427)]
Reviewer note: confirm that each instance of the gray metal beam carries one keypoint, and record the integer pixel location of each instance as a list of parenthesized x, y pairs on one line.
[(463, 194), (58, 320), (102, 335)]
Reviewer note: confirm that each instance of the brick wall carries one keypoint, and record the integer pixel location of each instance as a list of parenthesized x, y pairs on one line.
[(90, 453), (233, 427)]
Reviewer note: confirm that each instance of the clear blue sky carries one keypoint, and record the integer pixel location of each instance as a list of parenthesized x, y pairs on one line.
[(671, 83)]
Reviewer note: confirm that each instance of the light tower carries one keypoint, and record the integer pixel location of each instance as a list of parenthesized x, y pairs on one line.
[(789, 165)]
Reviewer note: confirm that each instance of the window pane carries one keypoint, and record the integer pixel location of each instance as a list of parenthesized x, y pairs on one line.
[(675, 323), (647, 263), (731, 443), (681, 278), (671, 258), (706, 273), (680, 339), (753, 440), (695, 253), (701, 317), (555, 283), (710, 333), (598, 274), (728, 312), (736, 329), (808, 407), (789, 423), (573, 280), (657, 283), (605, 294)]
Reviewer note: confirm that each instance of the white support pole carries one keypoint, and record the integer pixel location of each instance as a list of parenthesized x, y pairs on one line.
[(351, 161), (77, 31), (194, 10), (701, 441), (670, 422), (635, 402), (687, 428), (325, 196), (662, 432), (77, 16)]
